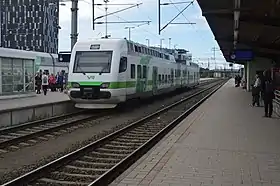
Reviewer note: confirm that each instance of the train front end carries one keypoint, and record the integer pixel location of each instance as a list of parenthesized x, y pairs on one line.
[(93, 72)]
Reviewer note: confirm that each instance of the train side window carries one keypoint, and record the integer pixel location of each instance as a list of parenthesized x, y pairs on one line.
[(123, 64), (159, 78), (132, 72), (139, 71), (144, 71), (131, 48), (136, 48)]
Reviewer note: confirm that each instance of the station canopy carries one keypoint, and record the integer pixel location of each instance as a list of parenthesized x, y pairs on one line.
[(251, 25)]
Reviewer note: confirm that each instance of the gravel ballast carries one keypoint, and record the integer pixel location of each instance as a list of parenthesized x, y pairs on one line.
[(16, 163)]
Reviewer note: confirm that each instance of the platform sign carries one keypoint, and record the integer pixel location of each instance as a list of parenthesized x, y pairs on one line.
[(242, 55), (64, 57)]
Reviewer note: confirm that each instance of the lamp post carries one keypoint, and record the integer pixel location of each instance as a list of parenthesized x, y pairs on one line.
[(129, 31), (169, 43), (74, 23), (161, 43), (106, 19), (74, 20), (148, 42)]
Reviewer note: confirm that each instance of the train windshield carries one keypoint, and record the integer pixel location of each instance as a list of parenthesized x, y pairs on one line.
[(93, 62)]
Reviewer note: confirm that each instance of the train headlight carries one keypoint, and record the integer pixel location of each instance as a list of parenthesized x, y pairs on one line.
[(105, 85), (75, 85)]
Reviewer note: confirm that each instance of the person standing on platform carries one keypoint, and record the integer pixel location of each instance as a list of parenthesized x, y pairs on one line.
[(256, 91), (45, 83), (52, 82), (38, 83), (268, 93), (60, 81), (236, 80)]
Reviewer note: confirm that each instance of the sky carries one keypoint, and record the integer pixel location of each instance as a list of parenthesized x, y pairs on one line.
[(196, 38)]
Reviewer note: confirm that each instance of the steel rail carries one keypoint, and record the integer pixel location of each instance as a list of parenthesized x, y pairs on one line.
[(6, 143), (108, 176)]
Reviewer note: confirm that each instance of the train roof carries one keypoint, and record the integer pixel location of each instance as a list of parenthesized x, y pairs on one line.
[(23, 54), (100, 40), (118, 40)]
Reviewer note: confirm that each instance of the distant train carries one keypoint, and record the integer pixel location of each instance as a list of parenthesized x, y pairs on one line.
[(106, 72), (42, 61)]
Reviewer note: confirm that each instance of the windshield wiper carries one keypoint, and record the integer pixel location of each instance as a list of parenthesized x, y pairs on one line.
[(78, 65), (107, 66)]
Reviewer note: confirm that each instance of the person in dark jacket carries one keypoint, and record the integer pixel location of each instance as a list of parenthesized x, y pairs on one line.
[(268, 93), (38, 83), (60, 81)]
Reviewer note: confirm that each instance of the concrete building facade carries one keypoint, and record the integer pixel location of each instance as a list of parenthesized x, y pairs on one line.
[(29, 25)]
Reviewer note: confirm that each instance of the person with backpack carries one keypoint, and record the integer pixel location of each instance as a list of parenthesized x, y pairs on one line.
[(45, 83), (268, 94)]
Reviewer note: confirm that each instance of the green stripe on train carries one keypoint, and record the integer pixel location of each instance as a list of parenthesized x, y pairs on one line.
[(113, 85)]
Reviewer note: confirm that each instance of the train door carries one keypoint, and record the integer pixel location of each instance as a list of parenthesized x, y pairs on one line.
[(188, 77), (139, 82), (178, 79), (154, 80), (123, 75), (172, 77), (145, 77)]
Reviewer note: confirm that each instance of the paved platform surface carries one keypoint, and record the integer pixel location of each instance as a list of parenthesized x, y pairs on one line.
[(51, 97), (225, 142), (8, 97)]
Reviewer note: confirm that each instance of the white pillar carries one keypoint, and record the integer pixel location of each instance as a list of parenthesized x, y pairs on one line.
[(248, 81)]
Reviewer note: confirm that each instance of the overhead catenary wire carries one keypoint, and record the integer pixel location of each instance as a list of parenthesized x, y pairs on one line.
[(149, 32), (119, 17), (134, 25)]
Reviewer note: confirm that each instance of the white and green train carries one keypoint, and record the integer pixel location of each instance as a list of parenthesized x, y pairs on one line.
[(106, 72)]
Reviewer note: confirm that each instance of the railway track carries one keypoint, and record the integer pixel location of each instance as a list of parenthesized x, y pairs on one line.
[(16, 137), (13, 138), (100, 162)]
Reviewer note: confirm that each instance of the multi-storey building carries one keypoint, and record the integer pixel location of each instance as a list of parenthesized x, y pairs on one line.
[(29, 25)]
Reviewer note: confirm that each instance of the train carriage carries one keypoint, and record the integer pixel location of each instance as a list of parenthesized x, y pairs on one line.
[(42, 61), (106, 72)]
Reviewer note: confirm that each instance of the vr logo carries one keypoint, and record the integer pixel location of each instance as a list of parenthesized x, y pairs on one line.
[(90, 77)]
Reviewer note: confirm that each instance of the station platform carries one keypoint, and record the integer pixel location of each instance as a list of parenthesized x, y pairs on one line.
[(35, 99), (27, 109), (224, 142)]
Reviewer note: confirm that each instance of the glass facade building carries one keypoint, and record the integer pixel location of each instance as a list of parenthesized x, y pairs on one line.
[(29, 25), (17, 75)]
